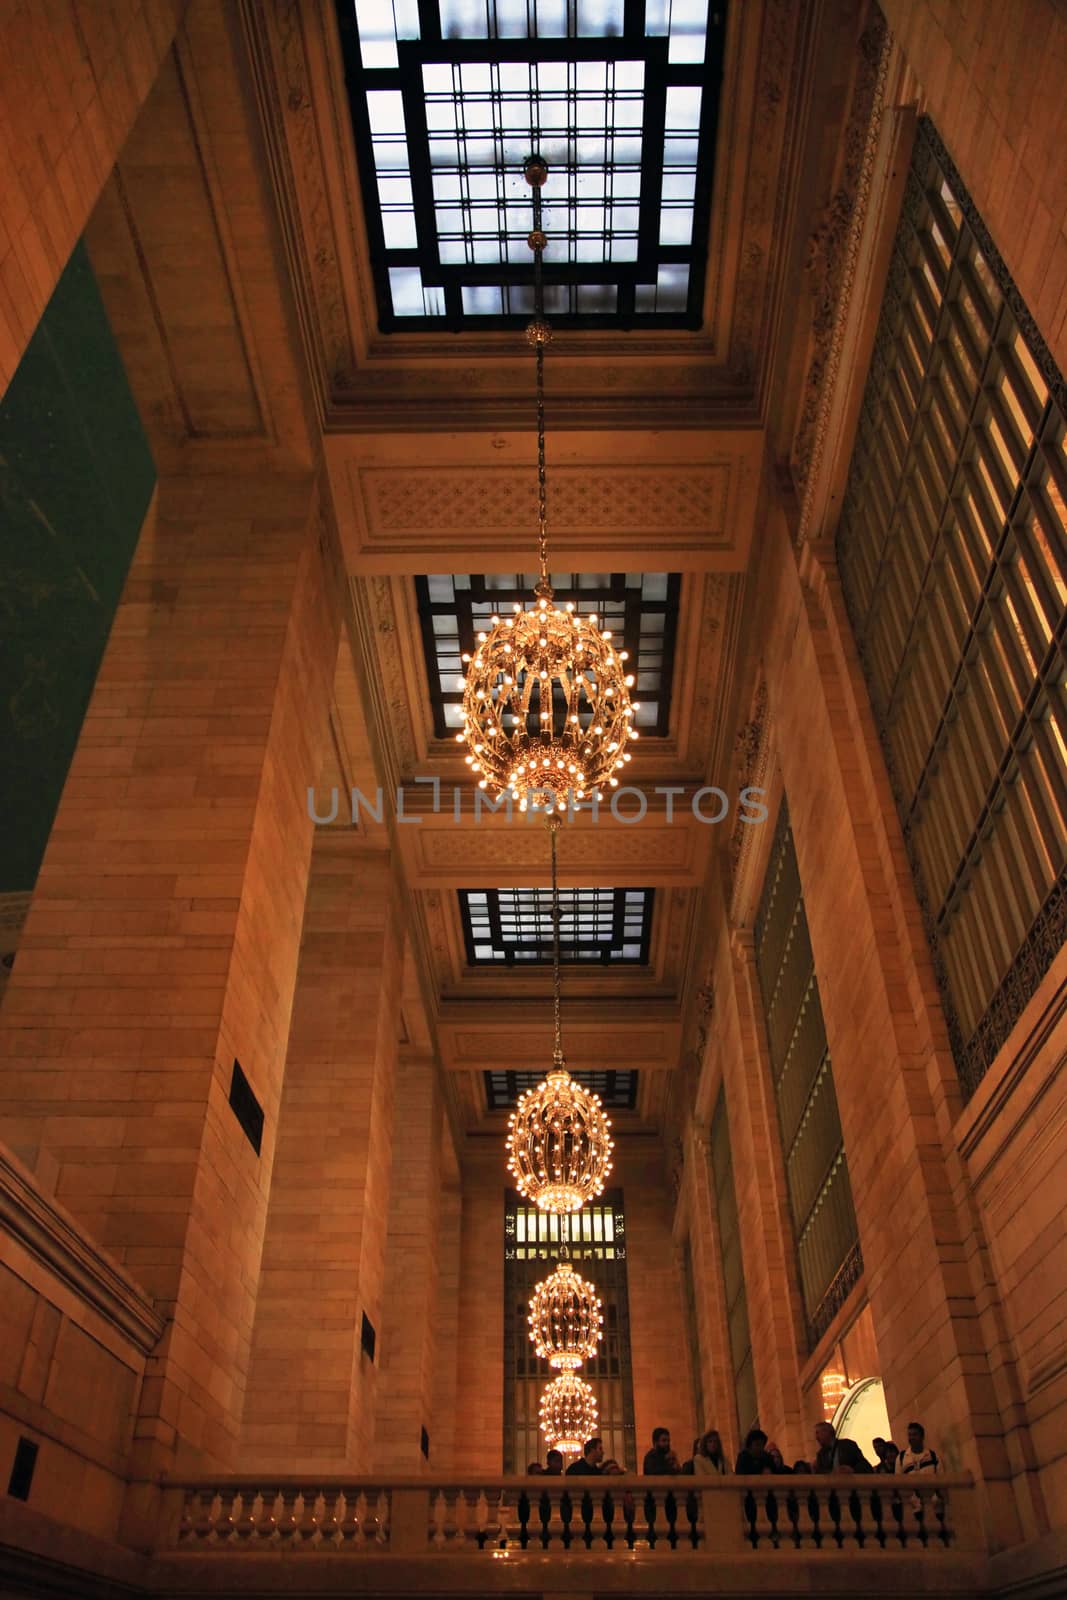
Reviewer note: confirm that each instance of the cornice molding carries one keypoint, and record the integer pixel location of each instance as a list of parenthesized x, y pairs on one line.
[(53, 1238), (843, 301), (834, 247)]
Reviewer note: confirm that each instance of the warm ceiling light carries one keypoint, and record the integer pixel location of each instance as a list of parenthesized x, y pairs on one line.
[(559, 1144), (834, 1387), (568, 1413), (566, 1322), (546, 701)]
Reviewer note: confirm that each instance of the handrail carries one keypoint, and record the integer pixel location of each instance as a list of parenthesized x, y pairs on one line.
[(448, 1514)]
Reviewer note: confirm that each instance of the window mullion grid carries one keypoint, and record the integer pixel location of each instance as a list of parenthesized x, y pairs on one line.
[(1020, 590), (955, 950), (1005, 903), (1026, 864), (1051, 818)]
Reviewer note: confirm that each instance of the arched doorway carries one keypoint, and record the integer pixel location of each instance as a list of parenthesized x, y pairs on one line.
[(861, 1415)]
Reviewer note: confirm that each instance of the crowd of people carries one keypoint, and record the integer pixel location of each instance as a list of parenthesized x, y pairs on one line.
[(758, 1455)]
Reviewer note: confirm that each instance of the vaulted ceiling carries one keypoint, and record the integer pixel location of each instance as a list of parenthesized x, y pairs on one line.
[(253, 335)]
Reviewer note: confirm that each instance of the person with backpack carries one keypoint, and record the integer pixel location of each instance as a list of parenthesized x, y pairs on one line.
[(916, 1456)]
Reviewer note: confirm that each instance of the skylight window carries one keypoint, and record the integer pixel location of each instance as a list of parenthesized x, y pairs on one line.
[(617, 1090), (641, 607), (506, 926), (448, 98)]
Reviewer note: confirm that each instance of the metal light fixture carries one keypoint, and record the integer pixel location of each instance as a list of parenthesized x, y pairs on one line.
[(568, 1413), (559, 1136), (566, 1322), (546, 705)]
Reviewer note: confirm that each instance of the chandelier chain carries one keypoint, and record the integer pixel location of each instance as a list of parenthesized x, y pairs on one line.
[(557, 1050), (539, 355)]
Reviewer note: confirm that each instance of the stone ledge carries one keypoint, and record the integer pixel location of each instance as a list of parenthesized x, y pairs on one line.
[(44, 1229)]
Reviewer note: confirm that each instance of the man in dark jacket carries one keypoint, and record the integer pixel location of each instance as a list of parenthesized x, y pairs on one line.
[(753, 1457), (838, 1455), (588, 1463), (661, 1461)]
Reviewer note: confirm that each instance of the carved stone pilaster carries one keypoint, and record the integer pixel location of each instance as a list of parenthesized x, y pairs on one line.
[(833, 254)]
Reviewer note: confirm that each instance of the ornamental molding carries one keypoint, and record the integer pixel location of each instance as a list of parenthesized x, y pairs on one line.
[(381, 650), (438, 502), (833, 247), (834, 254), (501, 854), (51, 1237), (752, 757), (785, 31)]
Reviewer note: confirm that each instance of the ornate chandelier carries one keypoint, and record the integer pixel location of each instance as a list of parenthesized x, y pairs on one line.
[(546, 703), (559, 1136), (568, 1413), (566, 1322)]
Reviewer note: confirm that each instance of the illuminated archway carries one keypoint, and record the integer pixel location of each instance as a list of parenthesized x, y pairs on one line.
[(862, 1415)]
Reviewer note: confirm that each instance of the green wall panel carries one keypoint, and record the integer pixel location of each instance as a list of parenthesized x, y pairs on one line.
[(76, 477)]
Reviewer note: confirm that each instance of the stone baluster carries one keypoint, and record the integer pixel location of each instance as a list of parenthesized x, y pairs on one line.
[(225, 1518), (287, 1516), (481, 1518), (201, 1520), (544, 1512), (359, 1519), (307, 1526), (267, 1526), (245, 1523), (330, 1522), (438, 1520)]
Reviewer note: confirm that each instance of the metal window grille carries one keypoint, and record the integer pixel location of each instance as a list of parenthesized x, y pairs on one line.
[(820, 1194), (618, 1090), (952, 549), (448, 97), (505, 926)]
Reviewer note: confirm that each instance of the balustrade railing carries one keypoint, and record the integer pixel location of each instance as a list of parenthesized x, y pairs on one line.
[(572, 1516)]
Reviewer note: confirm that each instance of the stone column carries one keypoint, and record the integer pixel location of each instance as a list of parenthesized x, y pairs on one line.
[(445, 1425), (479, 1444), (896, 1085), (409, 1320), (162, 939), (71, 89), (768, 1248), (312, 1387), (713, 1340), (663, 1393)]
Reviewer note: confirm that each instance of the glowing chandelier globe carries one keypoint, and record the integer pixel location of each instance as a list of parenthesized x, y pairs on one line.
[(559, 1144), (546, 702), (568, 1413), (566, 1322), (546, 707)]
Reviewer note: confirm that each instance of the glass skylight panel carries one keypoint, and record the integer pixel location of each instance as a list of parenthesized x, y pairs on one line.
[(642, 608), (449, 97), (601, 926), (617, 1090)]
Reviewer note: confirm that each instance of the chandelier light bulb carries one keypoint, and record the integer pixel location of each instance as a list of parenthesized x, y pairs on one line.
[(559, 1144), (566, 698), (566, 1321), (568, 1413)]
